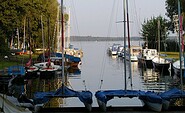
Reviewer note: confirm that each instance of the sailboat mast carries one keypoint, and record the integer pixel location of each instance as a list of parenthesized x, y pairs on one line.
[(159, 49), (43, 39), (68, 31), (180, 46), (128, 30), (48, 37), (24, 34), (124, 14), (62, 30), (29, 32), (158, 36)]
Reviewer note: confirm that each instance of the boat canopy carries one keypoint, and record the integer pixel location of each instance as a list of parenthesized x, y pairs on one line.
[(70, 57), (107, 95), (172, 94), (16, 70), (63, 92)]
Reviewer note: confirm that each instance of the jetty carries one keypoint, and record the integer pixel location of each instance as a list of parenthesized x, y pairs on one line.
[(173, 109)]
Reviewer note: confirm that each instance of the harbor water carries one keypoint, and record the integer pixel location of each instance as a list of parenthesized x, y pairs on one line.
[(99, 71)]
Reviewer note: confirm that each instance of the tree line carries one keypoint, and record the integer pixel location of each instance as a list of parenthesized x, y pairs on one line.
[(150, 27), (17, 15)]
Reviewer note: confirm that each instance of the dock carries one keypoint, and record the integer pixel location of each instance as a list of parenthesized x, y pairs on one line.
[(173, 109)]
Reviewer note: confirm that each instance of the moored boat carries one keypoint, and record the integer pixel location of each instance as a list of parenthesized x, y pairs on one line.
[(146, 56), (176, 67), (134, 52), (169, 95), (161, 64), (103, 96), (152, 101), (10, 104), (113, 50)]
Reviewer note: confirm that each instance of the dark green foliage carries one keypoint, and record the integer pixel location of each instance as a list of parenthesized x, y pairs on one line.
[(172, 9), (13, 13), (150, 31)]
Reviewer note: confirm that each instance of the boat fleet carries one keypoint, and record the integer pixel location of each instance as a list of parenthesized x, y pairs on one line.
[(153, 100), (148, 58), (60, 61)]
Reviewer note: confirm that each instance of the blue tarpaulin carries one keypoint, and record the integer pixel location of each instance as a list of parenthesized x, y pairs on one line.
[(63, 92), (16, 70)]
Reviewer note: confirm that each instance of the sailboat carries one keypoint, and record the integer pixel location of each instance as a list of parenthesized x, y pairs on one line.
[(72, 55), (178, 67), (151, 99), (160, 63), (47, 68), (103, 96), (146, 56), (31, 70), (10, 104), (85, 96)]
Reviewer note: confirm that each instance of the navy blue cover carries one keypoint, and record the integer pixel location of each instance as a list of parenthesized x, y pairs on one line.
[(172, 94), (151, 97), (63, 92), (70, 57), (107, 95), (16, 70)]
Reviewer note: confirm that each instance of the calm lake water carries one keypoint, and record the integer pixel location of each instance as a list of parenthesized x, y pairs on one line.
[(98, 66)]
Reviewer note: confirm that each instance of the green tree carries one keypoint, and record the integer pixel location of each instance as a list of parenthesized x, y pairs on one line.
[(172, 9), (149, 31), (13, 13)]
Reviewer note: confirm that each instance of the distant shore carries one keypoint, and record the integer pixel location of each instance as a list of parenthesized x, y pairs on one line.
[(93, 38), (90, 38)]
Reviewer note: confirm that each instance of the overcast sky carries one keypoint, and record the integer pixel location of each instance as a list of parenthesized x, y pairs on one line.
[(100, 17)]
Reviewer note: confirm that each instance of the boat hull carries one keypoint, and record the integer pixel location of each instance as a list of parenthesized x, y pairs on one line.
[(102, 105), (177, 71), (176, 68), (11, 105), (163, 68), (153, 106), (145, 63)]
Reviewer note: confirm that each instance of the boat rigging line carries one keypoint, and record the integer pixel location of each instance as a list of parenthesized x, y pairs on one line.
[(105, 46)]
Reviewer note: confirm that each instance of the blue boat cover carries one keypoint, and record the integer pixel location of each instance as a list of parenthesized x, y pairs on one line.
[(172, 94), (151, 97), (70, 57), (63, 92), (16, 70), (107, 95)]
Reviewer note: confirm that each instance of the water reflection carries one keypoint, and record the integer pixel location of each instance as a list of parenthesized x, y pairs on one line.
[(154, 81)]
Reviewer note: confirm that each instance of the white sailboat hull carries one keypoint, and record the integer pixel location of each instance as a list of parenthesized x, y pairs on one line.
[(102, 105), (153, 106)]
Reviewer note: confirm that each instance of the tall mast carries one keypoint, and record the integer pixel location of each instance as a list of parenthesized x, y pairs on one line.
[(43, 39), (62, 30), (29, 32), (24, 34), (128, 30), (124, 14), (68, 31), (48, 37), (180, 45)]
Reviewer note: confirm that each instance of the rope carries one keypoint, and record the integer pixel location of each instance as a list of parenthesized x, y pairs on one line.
[(105, 47)]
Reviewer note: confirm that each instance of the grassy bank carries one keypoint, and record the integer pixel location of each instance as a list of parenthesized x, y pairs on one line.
[(23, 59), (174, 55), (15, 60)]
